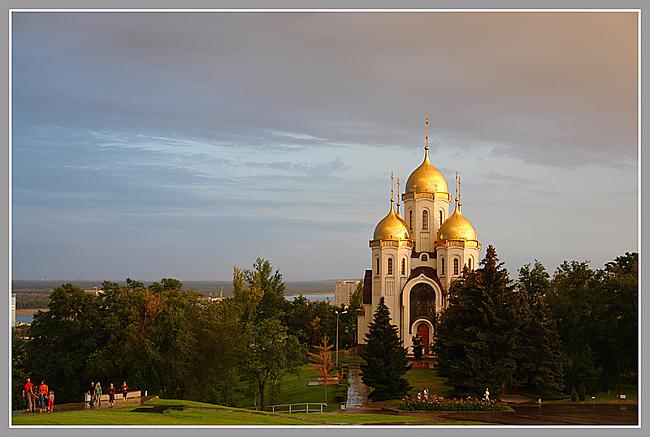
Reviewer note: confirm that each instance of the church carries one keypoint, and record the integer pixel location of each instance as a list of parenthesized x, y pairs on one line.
[(415, 257)]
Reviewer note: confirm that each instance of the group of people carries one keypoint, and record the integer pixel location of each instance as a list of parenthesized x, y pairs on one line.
[(40, 397), (93, 397)]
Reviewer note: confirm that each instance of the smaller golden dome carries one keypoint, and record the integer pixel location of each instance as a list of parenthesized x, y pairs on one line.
[(391, 227), (457, 227)]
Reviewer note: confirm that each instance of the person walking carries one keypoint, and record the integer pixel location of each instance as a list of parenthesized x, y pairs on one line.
[(98, 394), (111, 395), (43, 391), (125, 391), (28, 395), (92, 394)]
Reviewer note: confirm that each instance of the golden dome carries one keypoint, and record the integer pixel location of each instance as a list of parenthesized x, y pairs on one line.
[(391, 227), (457, 227), (426, 178)]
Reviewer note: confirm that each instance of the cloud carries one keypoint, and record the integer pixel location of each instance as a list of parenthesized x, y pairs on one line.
[(151, 121)]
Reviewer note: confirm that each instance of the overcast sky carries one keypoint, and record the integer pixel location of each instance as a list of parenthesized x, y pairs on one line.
[(152, 145)]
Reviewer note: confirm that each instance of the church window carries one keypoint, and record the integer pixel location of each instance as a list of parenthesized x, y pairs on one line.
[(403, 266), (455, 266), (390, 266), (442, 265), (377, 267), (440, 218), (425, 257), (425, 220), (410, 220), (469, 263)]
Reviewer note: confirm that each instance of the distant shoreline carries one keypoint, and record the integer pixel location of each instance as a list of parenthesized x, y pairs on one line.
[(28, 311)]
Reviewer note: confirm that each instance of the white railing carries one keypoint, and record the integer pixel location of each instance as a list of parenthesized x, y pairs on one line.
[(298, 408)]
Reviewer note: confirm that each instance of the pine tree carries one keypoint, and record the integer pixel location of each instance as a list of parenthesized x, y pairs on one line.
[(476, 334), (539, 356), (386, 362)]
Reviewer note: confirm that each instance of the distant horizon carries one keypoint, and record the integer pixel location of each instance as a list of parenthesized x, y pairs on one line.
[(513, 275)]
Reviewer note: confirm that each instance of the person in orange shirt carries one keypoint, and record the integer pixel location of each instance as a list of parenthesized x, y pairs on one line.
[(43, 391)]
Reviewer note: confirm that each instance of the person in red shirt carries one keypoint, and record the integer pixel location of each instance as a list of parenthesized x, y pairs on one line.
[(43, 391), (28, 394), (125, 391), (111, 395)]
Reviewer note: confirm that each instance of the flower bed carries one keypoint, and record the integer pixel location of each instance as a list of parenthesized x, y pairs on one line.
[(434, 403)]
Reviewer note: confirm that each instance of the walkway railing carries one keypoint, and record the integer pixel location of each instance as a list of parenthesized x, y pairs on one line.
[(298, 408)]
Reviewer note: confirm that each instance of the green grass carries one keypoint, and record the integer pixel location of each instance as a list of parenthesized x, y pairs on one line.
[(421, 378), (198, 413), (125, 416), (293, 389)]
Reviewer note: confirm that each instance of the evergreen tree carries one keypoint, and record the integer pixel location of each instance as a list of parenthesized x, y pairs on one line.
[(477, 332), (539, 355), (386, 362)]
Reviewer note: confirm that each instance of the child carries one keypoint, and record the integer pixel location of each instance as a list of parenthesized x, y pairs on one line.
[(88, 399), (50, 402)]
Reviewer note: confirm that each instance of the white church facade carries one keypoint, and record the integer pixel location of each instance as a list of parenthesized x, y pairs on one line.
[(416, 256)]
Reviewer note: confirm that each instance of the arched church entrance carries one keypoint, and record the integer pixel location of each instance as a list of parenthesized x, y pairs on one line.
[(422, 302)]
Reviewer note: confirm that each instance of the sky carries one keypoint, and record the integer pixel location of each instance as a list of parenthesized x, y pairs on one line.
[(151, 145)]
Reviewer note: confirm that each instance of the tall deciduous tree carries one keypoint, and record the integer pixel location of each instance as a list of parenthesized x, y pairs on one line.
[(385, 358), (321, 360), (267, 353)]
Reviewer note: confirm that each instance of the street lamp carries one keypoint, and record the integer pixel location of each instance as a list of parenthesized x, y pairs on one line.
[(337, 333)]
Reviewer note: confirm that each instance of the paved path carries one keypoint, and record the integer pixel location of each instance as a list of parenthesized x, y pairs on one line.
[(357, 390)]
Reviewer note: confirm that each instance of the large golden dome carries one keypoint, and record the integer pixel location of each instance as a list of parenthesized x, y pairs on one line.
[(426, 178), (391, 227), (457, 227)]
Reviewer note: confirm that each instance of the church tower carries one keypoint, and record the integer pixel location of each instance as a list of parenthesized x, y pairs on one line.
[(426, 203), (415, 257), (391, 248), (457, 244)]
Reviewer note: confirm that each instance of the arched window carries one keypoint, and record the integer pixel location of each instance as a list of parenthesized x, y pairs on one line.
[(425, 257), (377, 267), (403, 266), (425, 220), (440, 218), (469, 263), (390, 266), (442, 265), (455, 266), (410, 220)]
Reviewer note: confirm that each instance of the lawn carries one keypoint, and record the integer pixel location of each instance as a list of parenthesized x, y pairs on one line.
[(197, 413), (293, 389), (419, 379), (125, 416), (429, 378)]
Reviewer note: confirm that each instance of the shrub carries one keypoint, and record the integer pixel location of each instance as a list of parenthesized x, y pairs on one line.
[(574, 394), (435, 403), (582, 391), (341, 393)]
